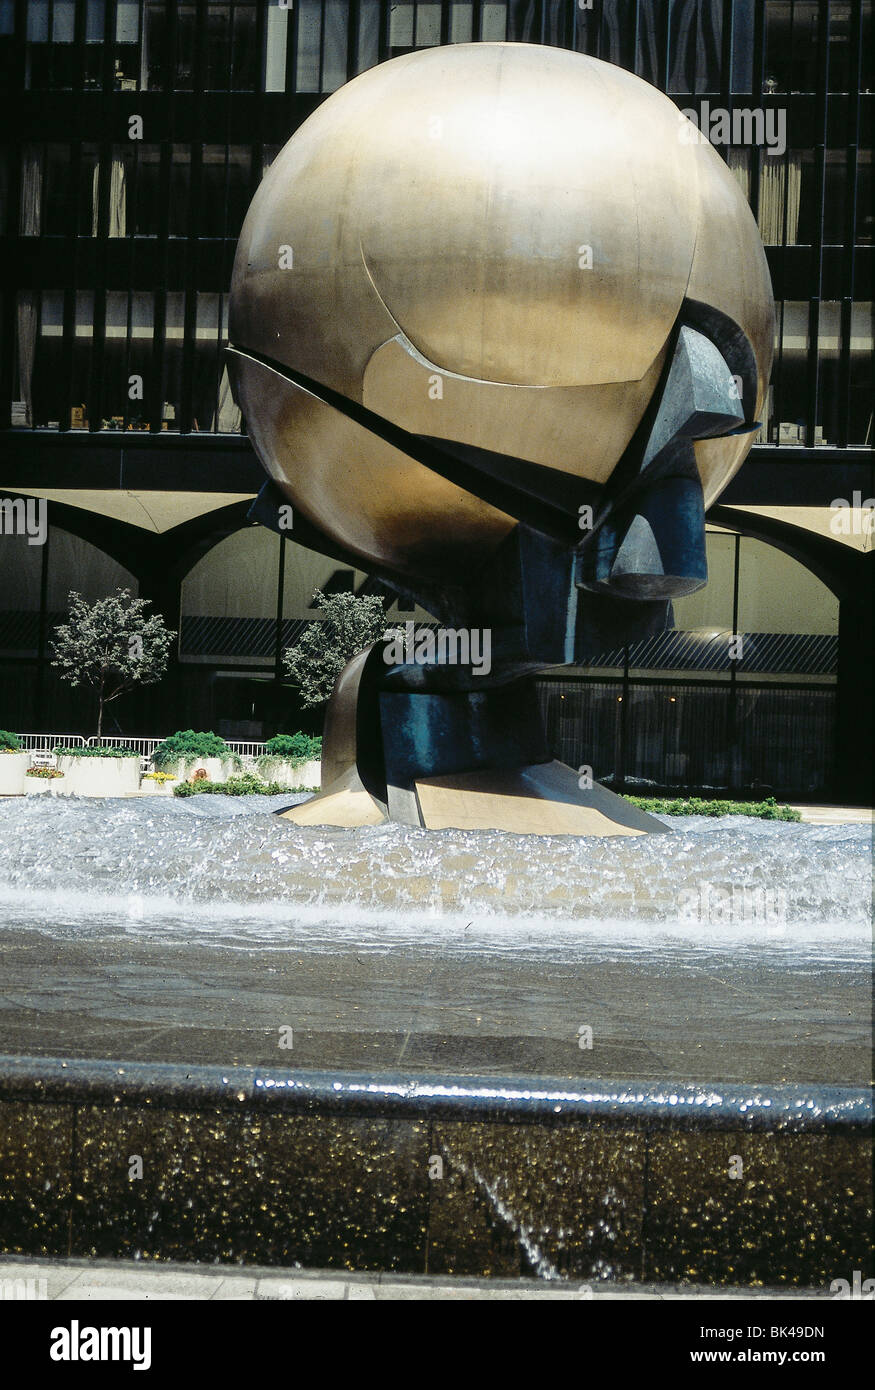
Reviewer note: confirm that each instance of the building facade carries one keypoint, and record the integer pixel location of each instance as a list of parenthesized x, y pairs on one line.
[(142, 129)]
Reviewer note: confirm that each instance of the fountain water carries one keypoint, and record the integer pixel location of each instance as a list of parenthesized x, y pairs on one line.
[(474, 1052)]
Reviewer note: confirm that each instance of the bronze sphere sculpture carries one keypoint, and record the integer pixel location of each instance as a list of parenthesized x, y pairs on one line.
[(501, 329)]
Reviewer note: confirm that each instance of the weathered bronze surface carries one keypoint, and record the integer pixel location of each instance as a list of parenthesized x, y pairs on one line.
[(501, 327)]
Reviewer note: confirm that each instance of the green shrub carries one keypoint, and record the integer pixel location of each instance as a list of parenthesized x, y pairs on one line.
[(692, 806), (306, 747), (185, 743), (245, 785), (97, 751), (9, 743)]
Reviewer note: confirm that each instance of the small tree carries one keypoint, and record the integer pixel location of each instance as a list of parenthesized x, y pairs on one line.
[(111, 645), (349, 625)]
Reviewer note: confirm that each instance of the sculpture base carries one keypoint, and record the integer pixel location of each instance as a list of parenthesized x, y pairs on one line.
[(539, 799)]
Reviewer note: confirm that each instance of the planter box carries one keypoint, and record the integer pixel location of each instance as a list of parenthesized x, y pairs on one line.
[(100, 776), (217, 769), (44, 786), (151, 788), (13, 766), (291, 774)]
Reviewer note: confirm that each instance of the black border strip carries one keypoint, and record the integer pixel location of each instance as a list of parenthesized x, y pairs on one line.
[(668, 1105)]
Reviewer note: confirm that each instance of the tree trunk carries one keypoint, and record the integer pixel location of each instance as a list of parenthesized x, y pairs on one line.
[(100, 714)]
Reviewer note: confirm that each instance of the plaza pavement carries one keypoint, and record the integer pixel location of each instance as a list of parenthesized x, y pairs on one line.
[(97, 1281)]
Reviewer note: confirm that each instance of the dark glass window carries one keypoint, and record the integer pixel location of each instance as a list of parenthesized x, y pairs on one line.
[(211, 204), (244, 67), (92, 76), (48, 384), (127, 46), (180, 189), (89, 190), (171, 385), (205, 374), (147, 214), (154, 45), (695, 36), (186, 25), (791, 45), (80, 385), (59, 192), (218, 48), (237, 196)]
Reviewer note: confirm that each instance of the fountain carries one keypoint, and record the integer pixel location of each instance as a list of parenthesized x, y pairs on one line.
[(500, 335)]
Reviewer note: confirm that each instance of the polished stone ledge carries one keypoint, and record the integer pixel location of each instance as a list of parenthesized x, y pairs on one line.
[(629, 1104)]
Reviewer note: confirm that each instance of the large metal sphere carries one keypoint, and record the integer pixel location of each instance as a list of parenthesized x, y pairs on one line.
[(436, 218)]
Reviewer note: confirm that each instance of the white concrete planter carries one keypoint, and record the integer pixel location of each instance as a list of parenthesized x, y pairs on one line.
[(152, 788), (100, 776), (291, 774), (217, 769), (13, 766), (43, 786)]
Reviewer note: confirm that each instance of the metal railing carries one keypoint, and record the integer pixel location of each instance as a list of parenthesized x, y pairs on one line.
[(41, 747), (46, 742)]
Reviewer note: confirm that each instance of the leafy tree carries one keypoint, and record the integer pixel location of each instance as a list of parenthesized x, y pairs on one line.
[(112, 645), (349, 625)]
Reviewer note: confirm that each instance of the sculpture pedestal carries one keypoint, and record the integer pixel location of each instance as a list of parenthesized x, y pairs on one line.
[(469, 759)]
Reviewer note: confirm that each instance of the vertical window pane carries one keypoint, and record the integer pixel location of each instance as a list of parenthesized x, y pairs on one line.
[(494, 25), (30, 215), (862, 344), (461, 22), (180, 189), (334, 61), (82, 346), (243, 57), (38, 21), (428, 25), (114, 379), (89, 190), (127, 45), (148, 206), (171, 386), (185, 45), (205, 379), (47, 380), (791, 393), (695, 33), (309, 46), (369, 35), (228, 417), (237, 197), (63, 20), (58, 191), (120, 180), (127, 21), (401, 27), (211, 211), (154, 46), (276, 37), (743, 28), (94, 21), (791, 45), (140, 390), (218, 47), (26, 320)]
